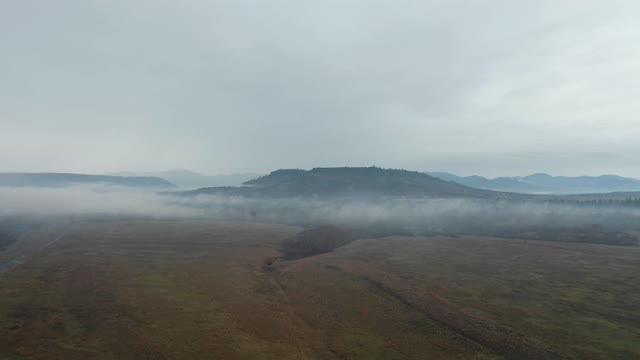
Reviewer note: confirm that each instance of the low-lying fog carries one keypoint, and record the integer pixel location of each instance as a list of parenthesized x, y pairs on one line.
[(419, 216), (86, 200)]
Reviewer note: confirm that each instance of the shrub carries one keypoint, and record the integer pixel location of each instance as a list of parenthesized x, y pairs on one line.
[(316, 240)]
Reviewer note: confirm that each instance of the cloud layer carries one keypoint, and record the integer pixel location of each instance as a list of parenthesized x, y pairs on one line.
[(500, 88)]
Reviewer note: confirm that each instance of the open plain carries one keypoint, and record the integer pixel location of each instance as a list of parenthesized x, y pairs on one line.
[(211, 290)]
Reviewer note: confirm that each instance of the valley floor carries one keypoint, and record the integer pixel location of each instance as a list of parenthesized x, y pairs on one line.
[(202, 290)]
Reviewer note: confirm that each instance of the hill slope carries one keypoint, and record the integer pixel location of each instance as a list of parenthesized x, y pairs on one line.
[(67, 179)]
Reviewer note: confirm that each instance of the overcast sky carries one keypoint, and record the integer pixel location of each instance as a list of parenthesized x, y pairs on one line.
[(470, 87)]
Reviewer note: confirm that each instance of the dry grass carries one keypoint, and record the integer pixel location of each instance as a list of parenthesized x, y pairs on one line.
[(199, 290), (521, 299)]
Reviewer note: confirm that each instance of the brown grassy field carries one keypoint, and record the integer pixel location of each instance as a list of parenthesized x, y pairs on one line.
[(201, 290)]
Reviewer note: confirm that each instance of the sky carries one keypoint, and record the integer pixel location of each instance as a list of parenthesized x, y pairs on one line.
[(494, 88)]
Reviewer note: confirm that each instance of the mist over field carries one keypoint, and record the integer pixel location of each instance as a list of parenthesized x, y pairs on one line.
[(85, 200), (415, 215), (376, 215)]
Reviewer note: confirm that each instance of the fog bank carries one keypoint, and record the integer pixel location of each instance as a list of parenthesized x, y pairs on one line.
[(369, 215)]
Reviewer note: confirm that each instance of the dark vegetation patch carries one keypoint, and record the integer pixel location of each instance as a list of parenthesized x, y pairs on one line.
[(588, 234), (316, 240), (594, 234), (7, 237), (11, 227)]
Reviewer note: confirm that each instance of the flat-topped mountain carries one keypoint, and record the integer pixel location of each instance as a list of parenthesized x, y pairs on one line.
[(349, 181), (68, 179), (187, 179)]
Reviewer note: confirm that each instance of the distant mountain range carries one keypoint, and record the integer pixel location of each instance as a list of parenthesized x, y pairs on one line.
[(343, 181), (547, 184), (67, 179), (348, 182), (187, 179)]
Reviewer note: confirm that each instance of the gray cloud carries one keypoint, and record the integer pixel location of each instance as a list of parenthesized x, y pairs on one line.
[(499, 88)]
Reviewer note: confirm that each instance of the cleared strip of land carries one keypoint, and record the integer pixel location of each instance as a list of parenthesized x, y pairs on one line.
[(27, 253)]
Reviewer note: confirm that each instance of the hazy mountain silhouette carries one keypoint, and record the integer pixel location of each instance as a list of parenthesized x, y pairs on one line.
[(192, 180), (68, 179), (545, 183)]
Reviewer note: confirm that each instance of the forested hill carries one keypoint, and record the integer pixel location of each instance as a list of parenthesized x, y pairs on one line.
[(351, 181)]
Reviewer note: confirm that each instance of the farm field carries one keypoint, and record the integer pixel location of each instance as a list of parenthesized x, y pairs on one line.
[(206, 290)]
